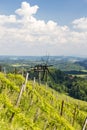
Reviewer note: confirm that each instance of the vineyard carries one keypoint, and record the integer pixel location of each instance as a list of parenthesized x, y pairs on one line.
[(40, 107)]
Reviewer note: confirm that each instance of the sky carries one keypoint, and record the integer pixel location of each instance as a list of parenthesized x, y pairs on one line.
[(40, 27)]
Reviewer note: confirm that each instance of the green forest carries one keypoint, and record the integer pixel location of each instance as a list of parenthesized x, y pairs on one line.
[(75, 86)]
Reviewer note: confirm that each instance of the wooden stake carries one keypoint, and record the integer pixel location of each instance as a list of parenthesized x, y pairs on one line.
[(21, 91), (45, 125), (85, 125), (36, 115), (20, 95), (26, 81), (34, 80), (46, 78), (62, 106), (4, 70), (39, 78), (22, 71), (74, 115)]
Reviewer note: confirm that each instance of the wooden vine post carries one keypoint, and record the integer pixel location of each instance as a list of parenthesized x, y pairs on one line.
[(4, 70), (20, 95), (62, 106), (45, 125), (39, 77), (22, 90), (36, 115), (74, 115), (85, 125), (34, 82)]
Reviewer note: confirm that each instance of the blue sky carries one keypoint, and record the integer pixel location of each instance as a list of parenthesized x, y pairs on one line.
[(58, 27), (62, 11)]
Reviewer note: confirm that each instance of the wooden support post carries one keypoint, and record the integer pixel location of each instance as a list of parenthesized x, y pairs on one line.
[(26, 81), (4, 70), (85, 125), (20, 95), (22, 71), (15, 70), (30, 102), (22, 90), (45, 125), (62, 106), (34, 82), (36, 115), (39, 77), (74, 116), (46, 78)]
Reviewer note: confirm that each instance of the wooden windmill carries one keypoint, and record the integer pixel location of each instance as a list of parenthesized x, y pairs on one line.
[(42, 71)]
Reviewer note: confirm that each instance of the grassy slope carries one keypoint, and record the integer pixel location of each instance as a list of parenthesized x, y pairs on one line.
[(39, 108)]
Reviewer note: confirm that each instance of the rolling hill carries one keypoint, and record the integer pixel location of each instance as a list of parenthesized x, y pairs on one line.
[(40, 107)]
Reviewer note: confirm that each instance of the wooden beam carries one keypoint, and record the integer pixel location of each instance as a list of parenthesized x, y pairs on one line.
[(85, 125)]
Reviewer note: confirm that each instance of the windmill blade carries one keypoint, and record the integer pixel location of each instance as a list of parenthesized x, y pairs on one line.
[(51, 75), (46, 75), (47, 60), (43, 75), (42, 60)]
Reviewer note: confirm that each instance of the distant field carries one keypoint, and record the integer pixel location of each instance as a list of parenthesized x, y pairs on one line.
[(82, 76), (19, 65)]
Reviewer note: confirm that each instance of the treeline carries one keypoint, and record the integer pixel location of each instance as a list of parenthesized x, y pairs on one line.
[(76, 72), (76, 87)]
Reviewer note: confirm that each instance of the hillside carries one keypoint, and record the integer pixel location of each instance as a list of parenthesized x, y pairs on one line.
[(41, 108)]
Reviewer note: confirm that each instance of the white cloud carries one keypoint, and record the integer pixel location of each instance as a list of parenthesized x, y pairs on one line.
[(21, 33), (80, 23), (26, 9), (7, 19)]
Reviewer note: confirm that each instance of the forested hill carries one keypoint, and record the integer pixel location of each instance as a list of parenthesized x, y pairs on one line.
[(40, 107), (73, 85)]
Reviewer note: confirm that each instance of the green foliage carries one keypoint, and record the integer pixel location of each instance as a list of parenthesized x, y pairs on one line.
[(79, 89), (64, 83)]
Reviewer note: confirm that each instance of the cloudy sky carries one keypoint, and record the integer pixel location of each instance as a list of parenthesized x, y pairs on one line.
[(37, 27)]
